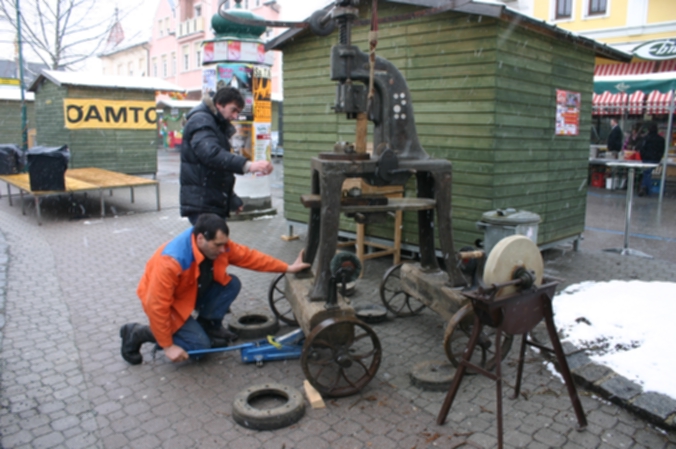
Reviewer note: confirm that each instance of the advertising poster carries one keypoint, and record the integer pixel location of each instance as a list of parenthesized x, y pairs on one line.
[(242, 141), (567, 113), (262, 146), (239, 76), (209, 80), (262, 93)]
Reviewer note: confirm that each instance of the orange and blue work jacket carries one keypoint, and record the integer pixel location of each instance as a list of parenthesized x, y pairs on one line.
[(168, 288)]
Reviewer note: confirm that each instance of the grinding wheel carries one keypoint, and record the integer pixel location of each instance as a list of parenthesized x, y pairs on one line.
[(506, 257)]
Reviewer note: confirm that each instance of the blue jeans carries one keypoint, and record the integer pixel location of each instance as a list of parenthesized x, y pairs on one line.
[(213, 305), (647, 180)]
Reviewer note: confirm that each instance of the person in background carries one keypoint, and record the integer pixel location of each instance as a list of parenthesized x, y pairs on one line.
[(652, 150), (635, 138), (208, 166), (189, 274), (615, 138)]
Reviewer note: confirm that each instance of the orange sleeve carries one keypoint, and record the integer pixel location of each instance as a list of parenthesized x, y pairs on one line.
[(245, 257), (160, 287)]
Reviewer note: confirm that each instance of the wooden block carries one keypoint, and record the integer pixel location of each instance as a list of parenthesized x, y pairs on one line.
[(313, 395), (288, 238)]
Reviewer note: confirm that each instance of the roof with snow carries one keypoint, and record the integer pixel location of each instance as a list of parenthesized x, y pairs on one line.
[(13, 93), (106, 81), (489, 9)]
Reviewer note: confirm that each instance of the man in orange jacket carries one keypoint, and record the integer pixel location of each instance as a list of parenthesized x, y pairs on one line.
[(188, 274)]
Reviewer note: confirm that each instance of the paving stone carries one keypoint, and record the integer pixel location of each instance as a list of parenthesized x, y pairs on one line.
[(656, 404), (621, 388)]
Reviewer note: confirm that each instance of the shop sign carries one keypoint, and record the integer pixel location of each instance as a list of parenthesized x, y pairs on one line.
[(656, 50), (567, 113), (91, 113)]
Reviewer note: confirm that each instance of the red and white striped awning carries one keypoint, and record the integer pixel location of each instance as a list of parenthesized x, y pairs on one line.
[(668, 66), (609, 104), (636, 102), (658, 102), (631, 68)]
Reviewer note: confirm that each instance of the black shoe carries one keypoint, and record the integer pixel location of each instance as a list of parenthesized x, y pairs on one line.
[(133, 336), (642, 191), (216, 331)]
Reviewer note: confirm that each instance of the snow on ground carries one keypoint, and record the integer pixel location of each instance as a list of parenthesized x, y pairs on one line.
[(628, 326)]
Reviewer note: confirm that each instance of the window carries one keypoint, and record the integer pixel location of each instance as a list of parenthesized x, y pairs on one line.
[(141, 67), (159, 27), (198, 54), (173, 63), (166, 26), (165, 69), (597, 7), (130, 68), (155, 67), (198, 11), (226, 4), (563, 9), (186, 57), (119, 69)]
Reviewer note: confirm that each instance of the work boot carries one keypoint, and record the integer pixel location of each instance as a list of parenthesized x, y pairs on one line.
[(133, 336), (642, 191), (216, 331)]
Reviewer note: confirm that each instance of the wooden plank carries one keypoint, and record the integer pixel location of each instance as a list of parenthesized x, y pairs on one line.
[(313, 395)]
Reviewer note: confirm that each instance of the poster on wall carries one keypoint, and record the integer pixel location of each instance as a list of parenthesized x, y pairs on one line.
[(262, 133), (567, 113), (262, 94), (242, 141), (209, 81), (239, 76)]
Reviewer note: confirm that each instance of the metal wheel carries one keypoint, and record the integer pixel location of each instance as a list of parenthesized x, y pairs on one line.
[(279, 305), (394, 298), (456, 338), (340, 356)]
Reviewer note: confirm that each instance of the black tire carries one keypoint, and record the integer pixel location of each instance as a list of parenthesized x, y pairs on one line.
[(253, 325), (284, 415), (279, 305)]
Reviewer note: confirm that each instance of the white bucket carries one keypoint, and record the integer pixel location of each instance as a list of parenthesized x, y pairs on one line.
[(609, 183)]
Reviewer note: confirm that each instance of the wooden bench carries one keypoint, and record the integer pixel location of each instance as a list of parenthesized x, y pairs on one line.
[(79, 180)]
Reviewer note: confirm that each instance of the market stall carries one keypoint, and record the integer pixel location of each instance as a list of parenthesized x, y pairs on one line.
[(649, 94)]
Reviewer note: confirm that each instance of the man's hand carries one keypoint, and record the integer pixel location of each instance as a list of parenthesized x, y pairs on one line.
[(262, 167), (298, 264), (175, 353)]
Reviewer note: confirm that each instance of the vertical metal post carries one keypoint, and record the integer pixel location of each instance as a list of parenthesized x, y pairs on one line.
[(24, 130), (667, 144), (630, 197)]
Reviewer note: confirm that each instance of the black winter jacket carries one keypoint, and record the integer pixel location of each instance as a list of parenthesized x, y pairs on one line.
[(653, 148), (207, 165)]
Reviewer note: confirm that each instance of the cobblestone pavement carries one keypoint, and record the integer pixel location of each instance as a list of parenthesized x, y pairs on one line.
[(70, 284)]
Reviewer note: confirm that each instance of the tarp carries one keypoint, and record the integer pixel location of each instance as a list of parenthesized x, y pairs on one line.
[(659, 87)]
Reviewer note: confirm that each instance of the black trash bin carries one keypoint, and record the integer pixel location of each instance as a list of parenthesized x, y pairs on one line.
[(12, 159), (47, 167)]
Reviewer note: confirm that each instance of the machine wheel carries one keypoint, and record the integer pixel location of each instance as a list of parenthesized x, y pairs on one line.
[(279, 305), (394, 298), (253, 325), (340, 356), (246, 414), (456, 338)]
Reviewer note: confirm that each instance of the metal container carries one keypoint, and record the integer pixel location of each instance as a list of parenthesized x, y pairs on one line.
[(501, 223)]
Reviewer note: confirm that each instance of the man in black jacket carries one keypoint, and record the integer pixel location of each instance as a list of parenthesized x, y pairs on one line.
[(615, 138), (652, 150), (208, 166)]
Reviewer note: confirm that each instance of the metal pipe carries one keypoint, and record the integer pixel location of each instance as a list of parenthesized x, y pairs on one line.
[(667, 145), (24, 130)]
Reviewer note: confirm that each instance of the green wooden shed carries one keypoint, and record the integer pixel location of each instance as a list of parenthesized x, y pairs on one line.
[(108, 122), (483, 81), (10, 114)]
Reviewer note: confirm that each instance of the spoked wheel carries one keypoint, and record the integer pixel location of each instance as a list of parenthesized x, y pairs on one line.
[(281, 306), (456, 338), (340, 356), (394, 297)]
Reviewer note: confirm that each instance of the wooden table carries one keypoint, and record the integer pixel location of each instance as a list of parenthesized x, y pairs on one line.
[(78, 180)]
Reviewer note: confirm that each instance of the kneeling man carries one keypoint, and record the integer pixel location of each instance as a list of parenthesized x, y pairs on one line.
[(188, 274)]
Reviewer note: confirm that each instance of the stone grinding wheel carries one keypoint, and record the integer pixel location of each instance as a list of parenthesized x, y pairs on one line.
[(506, 257)]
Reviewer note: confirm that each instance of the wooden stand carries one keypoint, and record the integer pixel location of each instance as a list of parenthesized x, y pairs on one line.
[(361, 243)]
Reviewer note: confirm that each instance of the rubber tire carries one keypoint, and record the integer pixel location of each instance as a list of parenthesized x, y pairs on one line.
[(275, 418), (253, 325)]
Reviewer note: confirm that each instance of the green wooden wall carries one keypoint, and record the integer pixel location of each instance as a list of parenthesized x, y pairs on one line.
[(125, 151), (10, 120), (483, 93)]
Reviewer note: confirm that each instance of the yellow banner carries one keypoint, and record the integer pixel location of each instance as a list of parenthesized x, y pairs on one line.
[(91, 113)]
